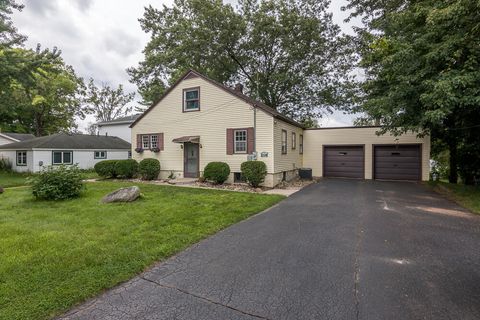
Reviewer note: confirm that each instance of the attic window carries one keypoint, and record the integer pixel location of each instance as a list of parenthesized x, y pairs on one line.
[(191, 99)]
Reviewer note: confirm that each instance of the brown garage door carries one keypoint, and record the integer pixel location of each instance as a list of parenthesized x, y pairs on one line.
[(397, 162), (343, 161)]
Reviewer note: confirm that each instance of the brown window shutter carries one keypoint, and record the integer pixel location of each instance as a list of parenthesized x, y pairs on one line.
[(229, 141), (139, 140), (250, 140), (160, 140)]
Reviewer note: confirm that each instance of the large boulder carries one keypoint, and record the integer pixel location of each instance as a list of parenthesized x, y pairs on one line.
[(122, 195)]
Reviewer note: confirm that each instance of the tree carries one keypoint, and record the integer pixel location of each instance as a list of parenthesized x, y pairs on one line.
[(8, 33), (107, 103), (421, 61), (285, 51), (47, 102)]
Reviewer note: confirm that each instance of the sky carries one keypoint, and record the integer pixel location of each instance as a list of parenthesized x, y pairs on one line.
[(102, 38)]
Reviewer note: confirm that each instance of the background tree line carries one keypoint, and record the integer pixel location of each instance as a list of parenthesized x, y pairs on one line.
[(40, 93), (420, 61)]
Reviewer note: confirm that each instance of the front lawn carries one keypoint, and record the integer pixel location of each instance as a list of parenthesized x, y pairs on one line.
[(57, 254), (13, 179), (466, 196)]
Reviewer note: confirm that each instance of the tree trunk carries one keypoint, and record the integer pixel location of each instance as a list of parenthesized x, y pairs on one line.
[(453, 175)]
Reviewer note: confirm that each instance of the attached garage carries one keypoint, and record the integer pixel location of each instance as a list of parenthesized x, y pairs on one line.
[(397, 162), (344, 161)]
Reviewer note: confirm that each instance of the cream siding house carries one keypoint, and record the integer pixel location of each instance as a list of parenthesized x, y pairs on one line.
[(199, 120)]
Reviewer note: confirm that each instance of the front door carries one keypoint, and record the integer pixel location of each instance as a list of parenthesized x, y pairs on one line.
[(190, 160)]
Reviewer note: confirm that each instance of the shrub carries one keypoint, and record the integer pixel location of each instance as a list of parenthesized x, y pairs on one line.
[(217, 172), (149, 169), (126, 168), (58, 183), (5, 165), (106, 168), (254, 172)]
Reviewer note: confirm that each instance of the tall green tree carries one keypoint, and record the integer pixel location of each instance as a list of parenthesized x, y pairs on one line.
[(46, 104), (107, 103), (286, 52), (422, 72)]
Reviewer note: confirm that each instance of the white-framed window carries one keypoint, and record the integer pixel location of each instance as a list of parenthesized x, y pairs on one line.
[(21, 158), (153, 141), (300, 147), (294, 141), (146, 141), (191, 99), (100, 154), (129, 154), (62, 157), (284, 142), (240, 141)]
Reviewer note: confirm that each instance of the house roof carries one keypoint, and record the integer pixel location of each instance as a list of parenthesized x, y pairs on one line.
[(18, 136), (69, 141), (121, 120), (232, 91)]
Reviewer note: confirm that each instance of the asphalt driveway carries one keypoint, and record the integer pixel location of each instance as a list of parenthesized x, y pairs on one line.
[(338, 249)]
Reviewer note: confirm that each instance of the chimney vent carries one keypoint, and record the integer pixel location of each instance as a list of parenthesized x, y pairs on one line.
[(239, 87)]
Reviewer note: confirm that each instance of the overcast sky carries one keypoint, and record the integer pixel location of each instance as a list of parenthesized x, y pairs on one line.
[(102, 38)]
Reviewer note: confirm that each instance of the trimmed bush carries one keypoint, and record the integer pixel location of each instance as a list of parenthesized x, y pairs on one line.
[(126, 168), (149, 169), (217, 172), (254, 172), (58, 183), (106, 168)]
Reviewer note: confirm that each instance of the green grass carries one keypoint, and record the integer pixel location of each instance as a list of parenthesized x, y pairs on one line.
[(57, 254), (466, 196), (17, 179), (13, 179)]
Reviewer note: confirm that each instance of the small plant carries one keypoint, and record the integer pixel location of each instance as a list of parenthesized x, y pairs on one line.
[(5, 165), (217, 172), (254, 172), (58, 183), (126, 168), (106, 168), (149, 169), (171, 175)]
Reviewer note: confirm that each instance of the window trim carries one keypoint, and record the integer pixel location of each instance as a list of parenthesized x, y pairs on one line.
[(235, 141), (63, 162), (99, 157), (184, 99), (26, 159), (294, 140), (284, 143), (300, 145)]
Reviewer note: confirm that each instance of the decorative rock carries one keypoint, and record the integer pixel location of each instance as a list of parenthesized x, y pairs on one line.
[(122, 195), (258, 190)]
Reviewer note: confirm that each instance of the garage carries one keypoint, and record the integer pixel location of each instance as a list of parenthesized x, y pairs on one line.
[(397, 162), (346, 161)]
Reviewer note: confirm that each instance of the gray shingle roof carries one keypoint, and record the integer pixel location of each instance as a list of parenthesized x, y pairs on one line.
[(19, 136), (69, 141), (126, 119)]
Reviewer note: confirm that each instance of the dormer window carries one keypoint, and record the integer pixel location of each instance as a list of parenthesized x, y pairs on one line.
[(191, 99)]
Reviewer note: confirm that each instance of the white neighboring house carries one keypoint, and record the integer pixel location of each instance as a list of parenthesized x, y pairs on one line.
[(119, 127), (85, 150), (8, 137)]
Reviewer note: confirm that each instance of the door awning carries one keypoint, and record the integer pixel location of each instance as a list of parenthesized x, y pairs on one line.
[(191, 139)]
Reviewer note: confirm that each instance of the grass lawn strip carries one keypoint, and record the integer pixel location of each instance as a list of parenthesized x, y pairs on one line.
[(466, 196), (58, 254)]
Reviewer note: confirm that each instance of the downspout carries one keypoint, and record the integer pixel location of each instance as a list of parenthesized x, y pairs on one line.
[(255, 130)]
